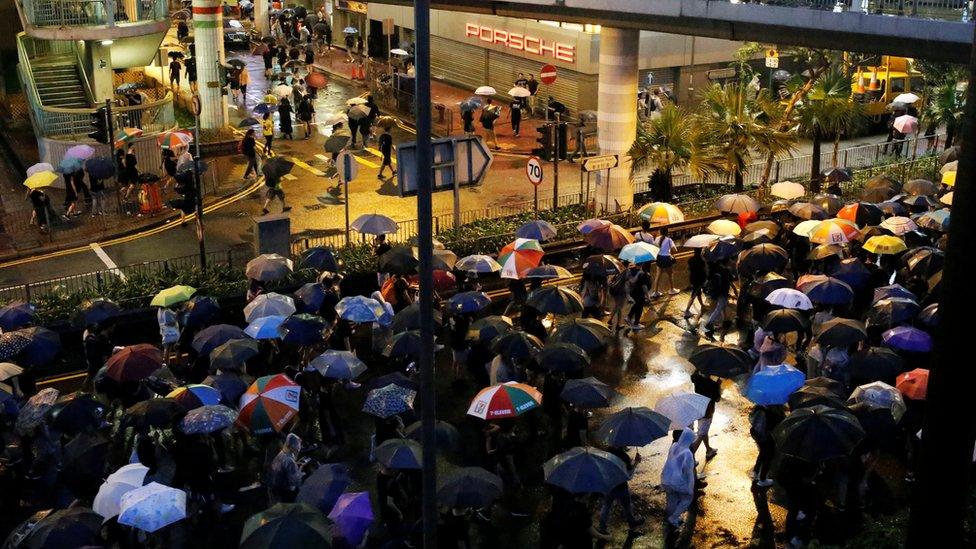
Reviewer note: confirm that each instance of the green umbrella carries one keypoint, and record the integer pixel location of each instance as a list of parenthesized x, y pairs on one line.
[(172, 296), (287, 525)]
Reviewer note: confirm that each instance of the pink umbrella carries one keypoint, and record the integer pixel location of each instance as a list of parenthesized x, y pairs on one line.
[(906, 124)]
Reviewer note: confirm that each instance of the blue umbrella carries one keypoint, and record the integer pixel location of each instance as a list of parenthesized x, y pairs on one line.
[(264, 108), (389, 400), (16, 315), (208, 419), (908, 338), (585, 470), (853, 272), (44, 346), (467, 302), (95, 311), (827, 291), (322, 488), (472, 103), (350, 30), (894, 290), (352, 515), (536, 230), (359, 309), (212, 337), (200, 310), (338, 365), (267, 327), (400, 453), (309, 297), (633, 427), (638, 252), (304, 329), (100, 167), (230, 387), (71, 164), (773, 385), (589, 392), (374, 224)]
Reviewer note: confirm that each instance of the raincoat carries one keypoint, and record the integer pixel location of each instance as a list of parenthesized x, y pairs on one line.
[(678, 477)]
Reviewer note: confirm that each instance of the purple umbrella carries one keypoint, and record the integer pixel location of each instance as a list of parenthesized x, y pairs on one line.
[(352, 514), (908, 338)]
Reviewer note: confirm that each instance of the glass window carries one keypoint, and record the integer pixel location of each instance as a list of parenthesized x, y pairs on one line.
[(917, 83), (897, 85)]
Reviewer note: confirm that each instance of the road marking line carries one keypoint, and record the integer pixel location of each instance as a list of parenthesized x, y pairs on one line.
[(365, 162), (306, 167), (322, 157), (289, 177), (112, 267), (378, 154)]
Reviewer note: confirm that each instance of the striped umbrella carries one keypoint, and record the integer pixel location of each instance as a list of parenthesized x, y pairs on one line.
[(509, 399), (477, 264), (899, 225), (661, 213), (195, 396), (125, 135), (174, 140), (639, 252), (519, 255), (609, 237), (269, 404), (834, 231)]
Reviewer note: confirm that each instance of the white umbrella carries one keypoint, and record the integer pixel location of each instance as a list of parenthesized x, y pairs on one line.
[(269, 304), (948, 167), (519, 91), (374, 224), (108, 501), (38, 168), (152, 507), (788, 190), (803, 228), (399, 51), (283, 90), (477, 264), (906, 124), (356, 101), (700, 241), (899, 225), (790, 298), (682, 409), (724, 227), (485, 90), (906, 98), (947, 198)]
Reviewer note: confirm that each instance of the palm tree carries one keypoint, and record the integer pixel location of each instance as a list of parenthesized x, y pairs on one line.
[(739, 128), (945, 106), (669, 142), (827, 111)]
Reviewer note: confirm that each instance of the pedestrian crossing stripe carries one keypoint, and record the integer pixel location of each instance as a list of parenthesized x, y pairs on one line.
[(378, 154), (306, 167), (365, 162), (322, 157), (289, 177)]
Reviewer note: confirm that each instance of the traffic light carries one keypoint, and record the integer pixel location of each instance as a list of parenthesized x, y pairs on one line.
[(187, 188), (99, 121), (561, 131), (544, 150)]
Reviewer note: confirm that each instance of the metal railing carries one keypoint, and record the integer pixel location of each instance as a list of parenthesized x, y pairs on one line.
[(947, 10), (402, 103), (88, 13)]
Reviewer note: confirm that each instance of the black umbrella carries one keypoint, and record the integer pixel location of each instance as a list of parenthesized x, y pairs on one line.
[(762, 259), (200, 311), (555, 300), (589, 334), (892, 311), (304, 329), (876, 364), (865, 214), (818, 433), (924, 261), (248, 122), (409, 319), (287, 525), (516, 345), (232, 354), (320, 259), (237, 64), (100, 167), (212, 337), (892, 291), (277, 167), (722, 249), (585, 470), (815, 396), (83, 466), (765, 285), (929, 316), (878, 423), (807, 210), (404, 344), (399, 453), (832, 385), (309, 297), (720, 359), (155, 412), (76, 413), (95, 311), (602, 265), (783, 321), (468, 488), (485, 330), (44, 346), (399, 260), (175, 54), (64, 529), (562, 357), (336, 142), (230, 387), (919, 187), (836, 175), (447, 436), (633, 427), (852, 271), (588, 392), (16, 315), (877, 194), (324, 486), (12, 344), (841, 332), (396, 378)]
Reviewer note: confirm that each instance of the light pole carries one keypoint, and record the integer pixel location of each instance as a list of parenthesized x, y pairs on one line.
[(196, 181)]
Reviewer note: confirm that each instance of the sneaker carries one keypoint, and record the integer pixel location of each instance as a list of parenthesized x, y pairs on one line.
[(709, 454), (674, 291), (655, 294), (764, 483), (637, 326)]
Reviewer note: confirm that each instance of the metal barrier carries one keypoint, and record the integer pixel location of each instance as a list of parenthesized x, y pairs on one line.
[(948, 10), (87, 13)]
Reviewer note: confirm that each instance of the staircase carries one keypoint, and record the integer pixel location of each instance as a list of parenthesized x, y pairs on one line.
[(58, 82)]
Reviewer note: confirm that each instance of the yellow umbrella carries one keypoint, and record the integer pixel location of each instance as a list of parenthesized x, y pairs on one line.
[(661, 213), (885, 245), (724, 227), (172, 296), (41, 179), (947, 198), (271, 99), (949, 178)]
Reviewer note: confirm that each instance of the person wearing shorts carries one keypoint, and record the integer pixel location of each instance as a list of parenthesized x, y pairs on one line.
[(709, 387), (665, 263), (273, 191)]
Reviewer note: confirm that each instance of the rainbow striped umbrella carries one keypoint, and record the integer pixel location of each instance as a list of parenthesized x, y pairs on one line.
[(661, 213), (834, 231), (269, 404), (174, 140), (195, 396), (517, 256), (506, 400), (125, 135)]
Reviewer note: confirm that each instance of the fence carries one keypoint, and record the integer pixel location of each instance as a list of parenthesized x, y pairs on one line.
[(395, 98), (85, 13), (949, 10)]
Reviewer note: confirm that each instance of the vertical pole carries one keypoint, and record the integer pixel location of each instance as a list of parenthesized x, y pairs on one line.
[(581, 180), (421, 14), (535, 198), (345, 192), (555, 163), (199, 194)]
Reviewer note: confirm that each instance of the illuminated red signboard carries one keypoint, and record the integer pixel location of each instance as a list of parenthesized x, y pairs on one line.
[(522, 42)]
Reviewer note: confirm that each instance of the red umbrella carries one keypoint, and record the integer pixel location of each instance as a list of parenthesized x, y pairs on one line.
[(134, 363), (316, 80), (443, 280), (914, 384)]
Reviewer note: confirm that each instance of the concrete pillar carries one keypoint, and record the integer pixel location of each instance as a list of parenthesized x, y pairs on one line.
[(617, 113), (102, 84), (208, 29), (261, 22)]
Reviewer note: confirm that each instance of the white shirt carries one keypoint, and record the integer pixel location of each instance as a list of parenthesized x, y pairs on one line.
[(641, 236), (665, 244)]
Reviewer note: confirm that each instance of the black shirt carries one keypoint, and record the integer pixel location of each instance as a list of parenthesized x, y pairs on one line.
[(522, 83), (516, 107), (386, 144), (697, 270), (175, 67), (247, 146), (533, 86)]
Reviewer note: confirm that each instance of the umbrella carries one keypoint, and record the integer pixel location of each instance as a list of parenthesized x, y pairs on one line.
[(836, 175), (152, 507), (35, 410), (100, 167), (211, 418), (661, 213), (724, 227), (841, 332), (590, 224), (633, 427), (506, 400), (95, 311), (783, 321), (316, 79), (516, 345), (287, 525), (790, 299), (917, 187), (109, 498), (337, 142), (722, 249), (587, 393), (823, 251), (277, 167), (682, 409), (467, 302), (602, 265), (815, 396), (85, 456), (885, 245), (893, 290), (309, 297), (589, 334), (304, 329), (232, 353), (8, 370), (924, 260), (386, 122), (17, 315), (892, 311), (125, 135), (929, 316), (41, 179), (764, 224), (399, 260), (409, 318), (338, 365), (358, 112), (323, 487), (174, 140), (834, 231), (948, 178), (853, 272), (818, 433), (906, 124), (267, 267), (906, 98), (825, 290), (804, 227), (269, 304), (134, 363), (12, 344), (200, 311), (585, 470), (762, 258), (399, 51), (880, 395), (769, 283), (43, 345), (546, 272), (485, 90), (266, 327), (923, 201), (230, 386), (194, 396), (562, 357), (519, 91), (736, 204), (935, 221), (808, 211), (787, 190), (914, 384), (389, 400), (861, 213), (399, 453), (773, 385), (374, 224), (477, 264), (639, 252), (350, 30), (876, 364), (519, 255), (720, 359), (700, 241), (172, 296), (899, 225), (555, 300), (405, 344), (40, 167), (269, 404), (65, 528), (68, 165), (487, 329), (609, 237), (359, 309), (283, 90), (908, 338), (352, 515), (468, 487), (536, 229), (160, 412), (470, 104), (320, 259), (83, 152)]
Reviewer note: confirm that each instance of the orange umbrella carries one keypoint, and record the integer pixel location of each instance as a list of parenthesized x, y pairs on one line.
[(914, 384), (517, 256)]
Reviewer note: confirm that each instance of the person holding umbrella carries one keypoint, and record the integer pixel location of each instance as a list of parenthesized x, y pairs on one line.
[(620, 494), (169, 333), (717, 287), (273, 184), (285, 475), (243, 79), (248, 147), (697, 275), (762, 421), (40, 203), (306, 114), (515, 115), (489, 113), (284, 119), (350, 42)]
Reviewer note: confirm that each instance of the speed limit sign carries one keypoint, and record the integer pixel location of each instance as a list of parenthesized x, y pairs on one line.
[(533, 170)]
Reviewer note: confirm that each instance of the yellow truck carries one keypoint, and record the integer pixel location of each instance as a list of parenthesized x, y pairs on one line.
[(877, 86)]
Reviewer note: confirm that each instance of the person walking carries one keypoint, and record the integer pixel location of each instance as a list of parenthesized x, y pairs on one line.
[(697, 275), (467, 120), (78, 180), (268, 56), (515, 115), (386, 149), (168, 164), (273, 191), (284, 119), (618, 289), (353, 128), (594, 293), (243, 79), (620, 494), (717, 287), (191, 73), (762, 421), (488, 115), (306, 114), (665, 263), (533, 86), (285, 475), (248, 147), (639, 283), (709, 387), (678, 478), (98, 196), (350, 43), (70, 198), (267, 126), (175, 68), (169, 333), (40, 203)]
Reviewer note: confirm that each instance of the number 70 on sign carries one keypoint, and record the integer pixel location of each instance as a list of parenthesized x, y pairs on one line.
[(533, 170)]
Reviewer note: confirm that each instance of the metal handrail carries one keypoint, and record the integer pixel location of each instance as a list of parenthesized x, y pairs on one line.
[(88, 13)]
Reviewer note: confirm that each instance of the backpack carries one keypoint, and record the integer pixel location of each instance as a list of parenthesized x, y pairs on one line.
[(618, 284), (713, 284)]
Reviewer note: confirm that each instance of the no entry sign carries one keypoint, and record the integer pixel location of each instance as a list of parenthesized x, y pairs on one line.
[(547, 74)]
